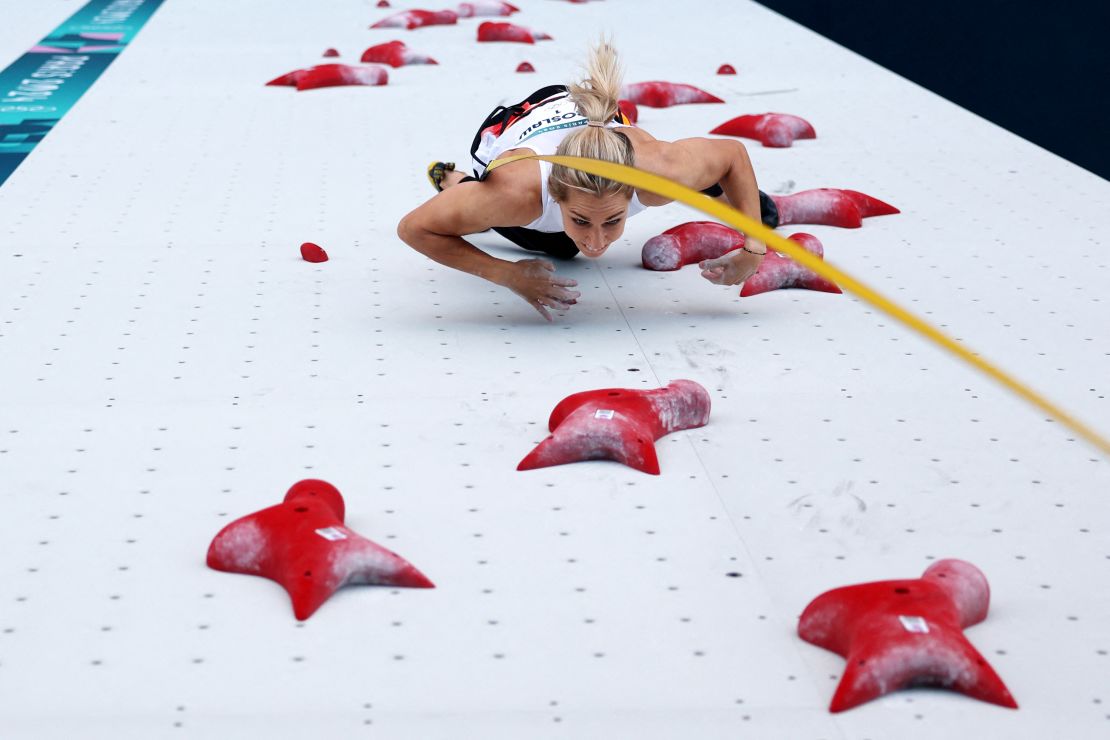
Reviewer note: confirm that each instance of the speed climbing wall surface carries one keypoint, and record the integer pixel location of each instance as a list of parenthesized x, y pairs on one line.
[(170, 363)]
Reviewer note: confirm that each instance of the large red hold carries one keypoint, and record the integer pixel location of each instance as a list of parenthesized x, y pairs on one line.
[(303, 545), (898, 634), (338, 75), (619, 424), (665, 94), (332, 75), (486, 8), (688, 244), (772, 129), (501, 31), (395, 54), (777, 272), (411, 19), (830, 207)]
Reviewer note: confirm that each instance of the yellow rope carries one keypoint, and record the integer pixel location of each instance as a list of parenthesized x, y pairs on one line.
[(669, 189)]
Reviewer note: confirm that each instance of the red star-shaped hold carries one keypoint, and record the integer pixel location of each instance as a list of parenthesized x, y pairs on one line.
[(302, 544), (619, 424), (776, 271), (897, 634)]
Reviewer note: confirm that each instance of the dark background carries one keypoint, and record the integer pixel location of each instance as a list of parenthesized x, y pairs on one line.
[(1039, 69)]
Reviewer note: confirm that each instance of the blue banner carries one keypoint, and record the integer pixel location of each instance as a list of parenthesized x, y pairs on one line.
[(41, 86)]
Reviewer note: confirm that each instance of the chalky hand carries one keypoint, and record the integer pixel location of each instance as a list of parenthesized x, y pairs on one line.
[(731, 269), (535, 281)]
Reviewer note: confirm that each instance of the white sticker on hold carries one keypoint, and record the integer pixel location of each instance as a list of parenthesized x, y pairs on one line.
[(604, 414), (914, 624), (331, 534)]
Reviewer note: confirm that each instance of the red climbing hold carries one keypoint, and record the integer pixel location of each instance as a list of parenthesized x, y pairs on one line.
[(726, 69), (629, 109), (501, 31), (313, 253), (777, 272), (303, 545), (395, 54), (665, 94), (689, 243), (289, 79), (336, 75), (411, 19), (619, 424), (830, 207), (331, 52), (525, 67), (486, 8), (773, 129), (384, 4), (898, 634)]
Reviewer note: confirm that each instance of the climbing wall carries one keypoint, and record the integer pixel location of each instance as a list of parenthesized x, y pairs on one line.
[(170, 363)]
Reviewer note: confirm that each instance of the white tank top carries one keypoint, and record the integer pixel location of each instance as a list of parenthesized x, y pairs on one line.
[(541, 130)]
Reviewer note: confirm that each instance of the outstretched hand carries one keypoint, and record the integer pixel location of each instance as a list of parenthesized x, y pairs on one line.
[(732, 268), (535, 281)]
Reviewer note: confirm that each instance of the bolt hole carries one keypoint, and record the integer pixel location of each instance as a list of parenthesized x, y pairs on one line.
[(901, 590), (308, 574), (301, 509)]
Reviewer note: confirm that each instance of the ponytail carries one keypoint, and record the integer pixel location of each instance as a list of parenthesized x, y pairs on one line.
[(596, 97)]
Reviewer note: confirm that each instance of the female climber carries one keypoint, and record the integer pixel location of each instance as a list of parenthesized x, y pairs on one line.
[(561, 211)]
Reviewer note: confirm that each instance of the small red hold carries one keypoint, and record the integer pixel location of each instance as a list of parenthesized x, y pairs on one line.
[(411, 19), (619, 424), (303, 545), (658, 94), (773, 129), (829, 207), (485, 8), (629, 109), (900, 634), (726, 69), (688, 244), (525, 67), (384, 4), (501, 31), (331, 52), (777, 272), (395, 54), (313, 253)]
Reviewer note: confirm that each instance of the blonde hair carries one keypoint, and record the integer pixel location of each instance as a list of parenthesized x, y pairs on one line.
[(596, 97)]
